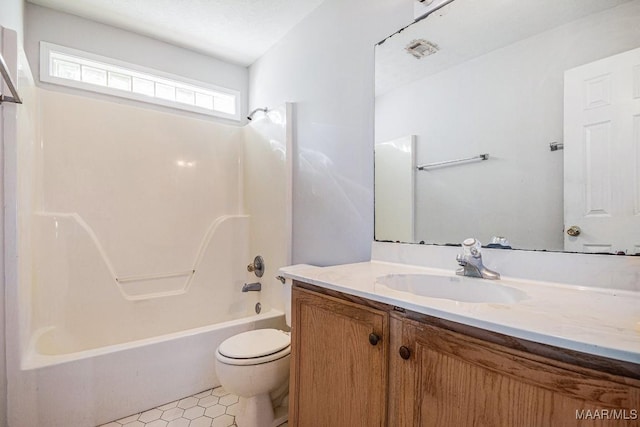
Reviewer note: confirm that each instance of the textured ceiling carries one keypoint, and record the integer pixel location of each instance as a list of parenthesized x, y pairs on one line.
[(239, 31), (467, 29)]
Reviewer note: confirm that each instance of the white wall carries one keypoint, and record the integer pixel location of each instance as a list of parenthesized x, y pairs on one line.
[(43, 24), (326, 66), (11, 16), (471, 109)]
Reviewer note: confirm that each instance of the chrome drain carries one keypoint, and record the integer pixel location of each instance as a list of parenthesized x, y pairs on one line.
[(258, 308)]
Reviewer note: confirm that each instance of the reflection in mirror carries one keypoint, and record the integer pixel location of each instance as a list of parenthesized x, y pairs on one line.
[(549, 90)]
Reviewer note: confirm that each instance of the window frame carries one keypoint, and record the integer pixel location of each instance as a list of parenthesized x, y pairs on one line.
[(133, 70)]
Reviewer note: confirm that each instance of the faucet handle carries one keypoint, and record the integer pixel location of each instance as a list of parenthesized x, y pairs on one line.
[(257, 266), (471, 247)]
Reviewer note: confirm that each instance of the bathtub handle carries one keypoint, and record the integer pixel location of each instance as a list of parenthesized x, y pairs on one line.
[(257, 266)]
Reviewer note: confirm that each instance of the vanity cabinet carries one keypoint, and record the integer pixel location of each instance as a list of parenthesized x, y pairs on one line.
[(450, 379), (424, 371), (339, 362)]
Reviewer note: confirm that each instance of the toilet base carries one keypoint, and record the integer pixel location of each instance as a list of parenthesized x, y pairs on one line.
[(258, 411)]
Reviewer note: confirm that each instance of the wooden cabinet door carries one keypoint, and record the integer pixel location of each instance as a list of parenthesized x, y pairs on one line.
[(453, 380), (338, 377)]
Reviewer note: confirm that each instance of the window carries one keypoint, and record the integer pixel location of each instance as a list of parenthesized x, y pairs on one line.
[(82, 70)]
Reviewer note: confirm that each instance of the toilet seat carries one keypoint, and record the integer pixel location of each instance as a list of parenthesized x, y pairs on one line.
[(254, 347)]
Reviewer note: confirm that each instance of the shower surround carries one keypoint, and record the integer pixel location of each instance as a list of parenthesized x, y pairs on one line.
[(137, 226)]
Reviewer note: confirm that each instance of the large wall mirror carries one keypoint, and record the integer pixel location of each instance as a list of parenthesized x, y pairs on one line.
[(516, 122)]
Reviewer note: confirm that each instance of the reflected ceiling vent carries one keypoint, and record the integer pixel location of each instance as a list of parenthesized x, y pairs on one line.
[(420, 48)]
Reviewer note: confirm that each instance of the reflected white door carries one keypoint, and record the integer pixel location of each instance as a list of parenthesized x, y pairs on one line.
[(602, 155)]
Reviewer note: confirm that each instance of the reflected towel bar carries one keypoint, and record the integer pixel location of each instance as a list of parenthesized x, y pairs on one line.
[(484, 156), (4, 70)]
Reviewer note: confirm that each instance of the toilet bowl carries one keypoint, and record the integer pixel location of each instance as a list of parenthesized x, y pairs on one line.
[(254, 365)]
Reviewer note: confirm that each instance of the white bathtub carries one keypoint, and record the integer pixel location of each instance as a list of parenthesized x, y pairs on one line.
[(101, 347), (95, 386)]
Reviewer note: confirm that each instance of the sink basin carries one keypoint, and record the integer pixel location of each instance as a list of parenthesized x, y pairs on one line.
[(456, 288)]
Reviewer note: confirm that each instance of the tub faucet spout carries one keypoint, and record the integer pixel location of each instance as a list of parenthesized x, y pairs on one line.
[(252, 287)]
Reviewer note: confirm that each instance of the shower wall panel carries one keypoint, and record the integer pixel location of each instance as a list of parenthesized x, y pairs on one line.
[(148, 183), (139, 216), (267, 195)]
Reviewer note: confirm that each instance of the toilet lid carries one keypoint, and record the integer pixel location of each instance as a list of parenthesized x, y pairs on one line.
[(252, 344)]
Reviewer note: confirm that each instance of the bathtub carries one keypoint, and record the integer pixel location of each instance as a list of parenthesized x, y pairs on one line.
[(101, 345), (95, 386)]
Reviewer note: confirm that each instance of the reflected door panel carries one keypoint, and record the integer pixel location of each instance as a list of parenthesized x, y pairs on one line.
[(602, 155), (395, 168)]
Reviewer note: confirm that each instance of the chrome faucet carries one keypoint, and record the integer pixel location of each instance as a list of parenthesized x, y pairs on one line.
[(252, 287), (471, 261)]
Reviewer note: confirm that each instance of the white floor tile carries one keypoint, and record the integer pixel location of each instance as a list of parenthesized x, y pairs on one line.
[(180, 422), (128, 419), (209, 408), (201, 422), (172, 414), (219, 392), (188, 402), (223, 421), (207, 401), (215, 411), (203, 394), (233, 409), (228, 400), (151, 415), (193, 413)]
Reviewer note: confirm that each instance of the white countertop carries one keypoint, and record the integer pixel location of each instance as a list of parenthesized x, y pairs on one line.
[(603, 322)]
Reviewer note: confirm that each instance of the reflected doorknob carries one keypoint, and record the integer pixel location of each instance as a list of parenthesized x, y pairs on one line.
[(574, 231)]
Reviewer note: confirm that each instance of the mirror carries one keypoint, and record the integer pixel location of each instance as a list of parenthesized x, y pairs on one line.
[(516, 122)]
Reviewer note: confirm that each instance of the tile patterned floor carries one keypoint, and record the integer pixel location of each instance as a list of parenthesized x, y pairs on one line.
[(211, 408)]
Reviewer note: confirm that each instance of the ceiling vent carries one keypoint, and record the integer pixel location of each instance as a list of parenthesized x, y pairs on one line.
[(420, 48)]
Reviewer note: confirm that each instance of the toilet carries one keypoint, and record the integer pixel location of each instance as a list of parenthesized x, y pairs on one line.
[(254, 365)]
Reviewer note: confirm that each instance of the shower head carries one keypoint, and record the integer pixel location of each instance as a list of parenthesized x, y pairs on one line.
[(264, 110)]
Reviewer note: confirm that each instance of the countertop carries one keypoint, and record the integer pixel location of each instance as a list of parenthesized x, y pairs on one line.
[(603, 322)]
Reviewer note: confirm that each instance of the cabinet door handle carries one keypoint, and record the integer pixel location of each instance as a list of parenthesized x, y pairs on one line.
[(405, 353), (373, 338)]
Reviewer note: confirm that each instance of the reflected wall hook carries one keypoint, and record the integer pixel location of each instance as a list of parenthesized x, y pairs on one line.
[(555, 146)]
